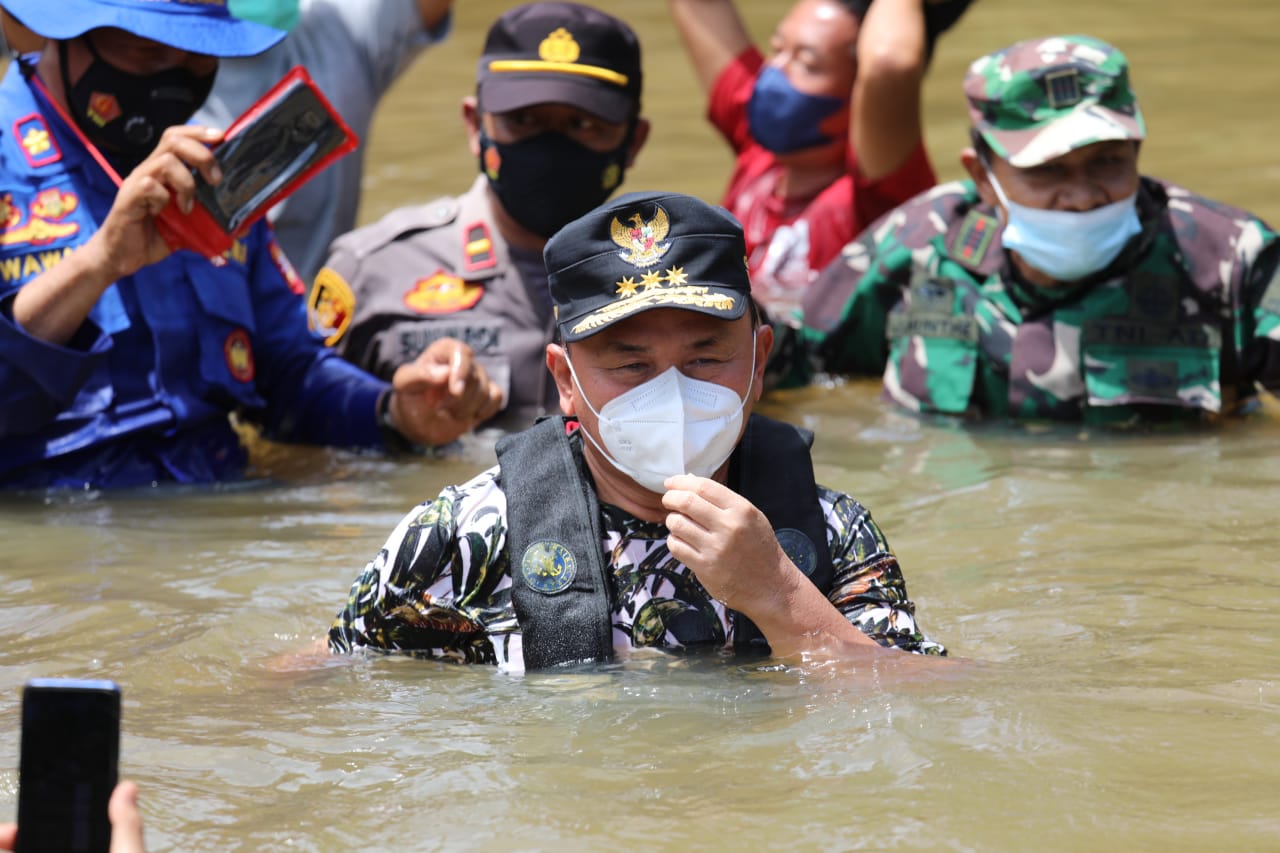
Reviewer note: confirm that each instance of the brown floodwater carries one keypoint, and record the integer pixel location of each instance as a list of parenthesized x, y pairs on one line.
[(1117, 595)]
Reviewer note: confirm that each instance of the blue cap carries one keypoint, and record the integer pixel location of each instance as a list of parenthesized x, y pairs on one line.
[(200, 26)]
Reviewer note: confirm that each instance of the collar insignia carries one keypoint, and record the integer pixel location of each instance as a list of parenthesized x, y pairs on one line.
[(641, 242), (38, 144), (974, 237), (477, 247)]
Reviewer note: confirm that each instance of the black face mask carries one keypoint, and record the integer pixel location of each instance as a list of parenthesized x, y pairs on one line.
[(548, 180), (124, 114)]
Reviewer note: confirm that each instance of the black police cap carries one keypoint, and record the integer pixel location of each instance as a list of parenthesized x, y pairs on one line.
[(560, 53)]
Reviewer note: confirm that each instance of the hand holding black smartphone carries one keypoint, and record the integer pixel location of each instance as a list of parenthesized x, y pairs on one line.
[(69, 765)]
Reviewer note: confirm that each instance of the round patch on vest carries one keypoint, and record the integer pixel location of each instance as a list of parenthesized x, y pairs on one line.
[(548, 567), (799, 549)]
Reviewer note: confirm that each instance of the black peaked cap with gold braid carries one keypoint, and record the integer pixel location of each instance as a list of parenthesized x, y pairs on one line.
[(642, 251), (563, 53)]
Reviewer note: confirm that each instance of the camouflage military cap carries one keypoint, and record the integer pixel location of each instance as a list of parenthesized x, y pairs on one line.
[(1039, 99)]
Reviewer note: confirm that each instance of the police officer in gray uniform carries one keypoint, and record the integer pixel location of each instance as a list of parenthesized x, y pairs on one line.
[(555, 123)]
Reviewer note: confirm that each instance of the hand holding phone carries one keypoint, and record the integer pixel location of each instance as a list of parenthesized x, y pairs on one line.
[(282, 140), (68, 765)]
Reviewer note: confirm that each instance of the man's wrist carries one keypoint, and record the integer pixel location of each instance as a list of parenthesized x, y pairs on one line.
[(392, 438)]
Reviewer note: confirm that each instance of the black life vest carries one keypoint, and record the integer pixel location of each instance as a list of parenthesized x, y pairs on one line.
[(560, 581)]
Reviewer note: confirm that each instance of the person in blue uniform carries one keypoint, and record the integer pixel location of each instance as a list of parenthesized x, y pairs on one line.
[(121, 358)]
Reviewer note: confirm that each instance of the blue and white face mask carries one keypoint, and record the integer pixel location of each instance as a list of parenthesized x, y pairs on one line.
[(784, 119), (1068, 245)]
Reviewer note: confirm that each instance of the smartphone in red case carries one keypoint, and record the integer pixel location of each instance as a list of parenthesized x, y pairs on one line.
[(282, 140)]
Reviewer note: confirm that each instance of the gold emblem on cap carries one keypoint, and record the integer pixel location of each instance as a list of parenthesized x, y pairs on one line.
[(559, 46), (626, 287), (641, 241)]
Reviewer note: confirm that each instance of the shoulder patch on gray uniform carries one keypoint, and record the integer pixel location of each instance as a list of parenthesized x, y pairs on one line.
[(398, 223)]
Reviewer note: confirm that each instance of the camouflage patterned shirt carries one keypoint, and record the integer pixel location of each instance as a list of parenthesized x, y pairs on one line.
[(441, 587), (1181, 326)]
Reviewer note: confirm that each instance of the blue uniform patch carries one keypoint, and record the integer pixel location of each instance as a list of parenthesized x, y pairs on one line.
[(799, 549), (548, 567)]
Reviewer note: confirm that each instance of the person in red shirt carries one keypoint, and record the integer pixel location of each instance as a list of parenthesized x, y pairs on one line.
[(827, 131)]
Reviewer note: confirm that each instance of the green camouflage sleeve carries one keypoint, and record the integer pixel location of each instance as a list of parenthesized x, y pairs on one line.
[(846, 308), (432, 589), (1261, 348), (868, 587)]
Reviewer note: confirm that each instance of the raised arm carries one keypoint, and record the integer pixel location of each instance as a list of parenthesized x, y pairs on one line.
[(713, 34), (433, 12), (53, 305), (733, 551), (892, 56)]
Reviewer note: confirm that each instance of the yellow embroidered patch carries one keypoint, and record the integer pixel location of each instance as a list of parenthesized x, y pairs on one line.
[(559, 46), (330, 306), (641, 241), (681, 296), (442, 293)]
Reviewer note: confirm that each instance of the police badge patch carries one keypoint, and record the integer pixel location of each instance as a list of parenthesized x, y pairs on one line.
[(799, 549), (441, 293), (330, 306), (548, 567), (238, 352)]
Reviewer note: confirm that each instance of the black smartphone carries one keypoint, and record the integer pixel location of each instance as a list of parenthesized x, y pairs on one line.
[(280, 140), (68, 765)]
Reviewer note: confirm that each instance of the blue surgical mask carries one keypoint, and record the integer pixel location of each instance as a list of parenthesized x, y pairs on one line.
[(1068, 245), (278, 14), (784, 119)]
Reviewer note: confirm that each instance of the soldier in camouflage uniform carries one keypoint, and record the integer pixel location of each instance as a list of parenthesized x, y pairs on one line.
[(1057, 283)]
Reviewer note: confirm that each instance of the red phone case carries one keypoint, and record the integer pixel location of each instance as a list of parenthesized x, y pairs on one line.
[(198, 230)]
